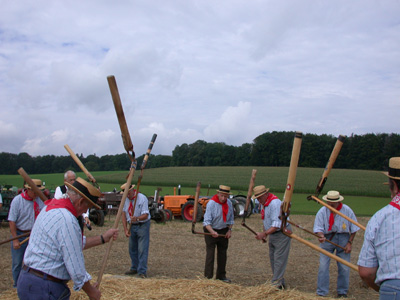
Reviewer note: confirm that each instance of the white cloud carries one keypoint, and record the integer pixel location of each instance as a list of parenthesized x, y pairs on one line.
[(223, 71)]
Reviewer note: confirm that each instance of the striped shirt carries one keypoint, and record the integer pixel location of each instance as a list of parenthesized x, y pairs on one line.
[(55, 247), (22, 212), (213, 215), (340, 225), (141, 208), (381, 246), (272, 213)]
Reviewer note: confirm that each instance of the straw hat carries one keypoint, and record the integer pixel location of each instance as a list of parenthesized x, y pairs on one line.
[(259, 190), (86, 190), (224, 189), (37, 182), (394, 168), (333, 196), (124, 186)]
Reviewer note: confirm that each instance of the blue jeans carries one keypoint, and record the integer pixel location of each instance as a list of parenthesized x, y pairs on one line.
[(390, 290), (32, 287), (324, 262), (17, 256), (139, 247)]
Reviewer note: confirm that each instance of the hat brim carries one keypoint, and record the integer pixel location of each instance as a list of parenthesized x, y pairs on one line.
[(223, 192), (259, 195), (27, 186), (70, 186), (391, 177), (341, 198)]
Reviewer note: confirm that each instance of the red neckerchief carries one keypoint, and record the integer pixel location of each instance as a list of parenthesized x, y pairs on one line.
[(267, 202), (61, 203), (225, 206), (396, 201), (332, 216), (130, 208), (36, 208)]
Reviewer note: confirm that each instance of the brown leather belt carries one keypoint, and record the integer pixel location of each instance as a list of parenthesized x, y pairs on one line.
[(43, 275)]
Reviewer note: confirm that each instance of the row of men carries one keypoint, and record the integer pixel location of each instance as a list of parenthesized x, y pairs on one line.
[(54, 254), (378, 260)]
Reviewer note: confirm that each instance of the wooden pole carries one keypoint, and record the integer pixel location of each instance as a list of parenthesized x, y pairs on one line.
[(330, 163), (117, 219), (33, 186), (14, 238), (311, 245), (81, 165)]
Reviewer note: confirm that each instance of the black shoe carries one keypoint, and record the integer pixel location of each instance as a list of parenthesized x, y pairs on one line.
[(131, 272), (142, 276), (226, 280), (342, 296), (281, 287)]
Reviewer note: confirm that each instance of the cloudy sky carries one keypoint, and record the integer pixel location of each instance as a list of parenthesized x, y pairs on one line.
[(219, 71)]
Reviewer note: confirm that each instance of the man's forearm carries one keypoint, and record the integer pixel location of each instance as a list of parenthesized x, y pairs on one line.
[(13, 228), (368, 275)]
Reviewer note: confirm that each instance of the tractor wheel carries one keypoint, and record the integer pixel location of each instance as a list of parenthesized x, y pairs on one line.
[(240, 206), (97, 217), (187, 211), (168, 214), (160, 216)]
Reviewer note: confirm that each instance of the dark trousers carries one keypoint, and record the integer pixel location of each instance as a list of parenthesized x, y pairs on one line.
[(32, 287), (221, 244)]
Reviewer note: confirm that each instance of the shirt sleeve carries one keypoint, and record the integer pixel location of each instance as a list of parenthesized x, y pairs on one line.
[(275, 213), (207, 220), (368, 257), (71, 245), (57, 193), (14, 209), (230, 220), (319, 222)]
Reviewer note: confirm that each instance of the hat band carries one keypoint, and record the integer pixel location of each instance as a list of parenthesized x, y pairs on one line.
[(330, 198), (83, 189), (259, 194), (394, 172), (224, 191)]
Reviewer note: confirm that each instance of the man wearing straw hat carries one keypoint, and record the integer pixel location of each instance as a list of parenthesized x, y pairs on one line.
[(139, 235), (54, 255), (378, 263), (218, 221), (279, 243), (24, 209), (328, 225)]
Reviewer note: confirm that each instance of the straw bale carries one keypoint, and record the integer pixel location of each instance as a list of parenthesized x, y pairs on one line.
[(115, 287)]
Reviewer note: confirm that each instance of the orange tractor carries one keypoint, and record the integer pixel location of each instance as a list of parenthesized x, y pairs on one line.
[(182, 206)]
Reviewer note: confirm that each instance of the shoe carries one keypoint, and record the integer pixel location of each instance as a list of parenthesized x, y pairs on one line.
[(131, 272), (226, 280), (342, 296), (281, 287), (142, 276)]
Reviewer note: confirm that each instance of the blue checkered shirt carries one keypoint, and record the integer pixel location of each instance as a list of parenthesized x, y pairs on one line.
[(55, 247), (381, 246), (213, 215)]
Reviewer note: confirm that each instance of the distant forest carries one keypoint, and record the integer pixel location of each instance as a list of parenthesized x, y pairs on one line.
[(367, 152)]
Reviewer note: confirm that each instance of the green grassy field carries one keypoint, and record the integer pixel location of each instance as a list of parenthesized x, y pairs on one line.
[(363, 190)]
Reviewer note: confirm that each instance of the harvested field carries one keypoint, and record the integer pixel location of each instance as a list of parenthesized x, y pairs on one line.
[(176, 263)]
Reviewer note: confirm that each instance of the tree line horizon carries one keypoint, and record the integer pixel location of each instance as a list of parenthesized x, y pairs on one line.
[(366, 152)]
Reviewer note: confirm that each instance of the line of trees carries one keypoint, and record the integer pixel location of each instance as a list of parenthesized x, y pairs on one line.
[(368, 152)]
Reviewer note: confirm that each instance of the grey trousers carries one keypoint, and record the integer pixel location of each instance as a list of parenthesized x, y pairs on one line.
[(279, 248)]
